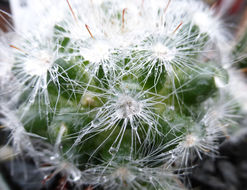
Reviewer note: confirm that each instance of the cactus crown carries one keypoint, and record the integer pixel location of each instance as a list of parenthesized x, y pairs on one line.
[(120, 93)]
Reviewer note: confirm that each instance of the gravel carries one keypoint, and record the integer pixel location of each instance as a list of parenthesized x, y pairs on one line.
[(227, 171)]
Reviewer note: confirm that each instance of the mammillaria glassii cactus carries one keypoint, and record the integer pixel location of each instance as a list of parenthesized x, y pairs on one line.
[(119, 94)]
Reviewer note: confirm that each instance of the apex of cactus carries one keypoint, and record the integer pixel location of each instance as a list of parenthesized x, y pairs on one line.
[(120, 94)]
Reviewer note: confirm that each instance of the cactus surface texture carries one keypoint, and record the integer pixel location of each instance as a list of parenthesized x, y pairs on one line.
[(119, 94)]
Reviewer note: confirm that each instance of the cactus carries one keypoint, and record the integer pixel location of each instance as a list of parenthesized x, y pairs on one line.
[(119, 94)]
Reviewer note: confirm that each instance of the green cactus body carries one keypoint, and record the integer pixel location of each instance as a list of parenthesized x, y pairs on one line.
[(124, 102)]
